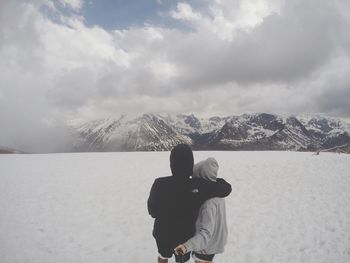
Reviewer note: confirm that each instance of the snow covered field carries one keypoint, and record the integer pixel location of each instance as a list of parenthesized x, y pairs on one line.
[(91, 207)]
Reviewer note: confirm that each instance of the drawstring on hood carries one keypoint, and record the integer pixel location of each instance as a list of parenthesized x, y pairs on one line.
[(181, 161), (207, 169)]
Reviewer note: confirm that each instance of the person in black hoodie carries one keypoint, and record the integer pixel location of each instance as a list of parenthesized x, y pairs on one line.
[(174, 202)]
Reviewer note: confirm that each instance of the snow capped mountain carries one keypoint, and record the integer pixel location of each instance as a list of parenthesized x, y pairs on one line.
[(190, 124), (262, 131), (6, 150), (145, 133), (329, 132), (259, 131)]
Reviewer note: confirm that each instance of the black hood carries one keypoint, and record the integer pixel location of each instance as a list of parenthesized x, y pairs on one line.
[(181, 161)]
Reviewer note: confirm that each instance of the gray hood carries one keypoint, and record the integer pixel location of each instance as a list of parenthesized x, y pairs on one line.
[(207, 169)]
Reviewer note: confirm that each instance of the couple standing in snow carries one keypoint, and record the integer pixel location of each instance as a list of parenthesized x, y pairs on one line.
[(190, 214)]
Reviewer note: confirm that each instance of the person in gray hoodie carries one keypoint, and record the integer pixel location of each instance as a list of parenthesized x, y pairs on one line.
[(211, 227)]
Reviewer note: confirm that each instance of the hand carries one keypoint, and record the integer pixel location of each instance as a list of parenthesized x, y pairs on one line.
[(180, 250)]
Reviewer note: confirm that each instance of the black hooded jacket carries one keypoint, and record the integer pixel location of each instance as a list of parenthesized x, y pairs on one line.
[(175, 200)]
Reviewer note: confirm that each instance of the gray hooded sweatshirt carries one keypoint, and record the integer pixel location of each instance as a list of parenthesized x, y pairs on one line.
[(211, 227)]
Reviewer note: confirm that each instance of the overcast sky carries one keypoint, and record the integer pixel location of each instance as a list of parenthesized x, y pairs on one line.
[(67, 59)]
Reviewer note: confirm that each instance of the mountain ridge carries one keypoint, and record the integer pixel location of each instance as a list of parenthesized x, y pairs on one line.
[(249, 131)]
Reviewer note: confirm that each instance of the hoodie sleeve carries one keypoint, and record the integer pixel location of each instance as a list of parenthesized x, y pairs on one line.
[(152, 200), (205, 226), (209, 189)]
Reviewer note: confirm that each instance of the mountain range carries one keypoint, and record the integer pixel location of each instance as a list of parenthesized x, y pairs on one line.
[(258, 131), (6, 150)]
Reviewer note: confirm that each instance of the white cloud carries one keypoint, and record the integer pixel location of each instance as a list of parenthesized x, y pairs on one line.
[(185, 12), (226, 18), (76, 5)]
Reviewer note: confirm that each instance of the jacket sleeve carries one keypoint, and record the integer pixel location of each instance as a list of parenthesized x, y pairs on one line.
[(209, 189), (152, 200), (205, 226)]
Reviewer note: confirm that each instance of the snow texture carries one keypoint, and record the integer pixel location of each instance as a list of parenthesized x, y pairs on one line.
[(91, 207)]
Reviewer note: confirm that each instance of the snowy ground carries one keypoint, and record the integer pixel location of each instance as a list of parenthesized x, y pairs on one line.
[(72, 208)]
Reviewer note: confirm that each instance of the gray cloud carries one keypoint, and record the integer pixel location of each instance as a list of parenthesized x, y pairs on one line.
[(285, 47), (336, 102), (332, 93)]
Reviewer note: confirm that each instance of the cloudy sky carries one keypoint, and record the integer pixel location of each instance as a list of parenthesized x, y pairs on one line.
[(66, 59)]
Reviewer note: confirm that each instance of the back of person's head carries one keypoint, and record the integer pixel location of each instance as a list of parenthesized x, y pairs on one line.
[(207, 169), (181, 161)]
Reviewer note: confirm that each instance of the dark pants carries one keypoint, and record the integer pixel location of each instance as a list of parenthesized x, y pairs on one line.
[(204, 257), (167, 251)]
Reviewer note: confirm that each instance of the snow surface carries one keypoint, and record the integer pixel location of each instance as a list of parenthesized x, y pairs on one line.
[(91, 207)]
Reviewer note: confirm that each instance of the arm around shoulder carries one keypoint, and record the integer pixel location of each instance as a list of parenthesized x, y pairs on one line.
[(220, 188), (225, 187)]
